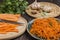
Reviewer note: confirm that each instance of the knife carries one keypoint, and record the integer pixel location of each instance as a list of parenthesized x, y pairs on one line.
[(12, 22)]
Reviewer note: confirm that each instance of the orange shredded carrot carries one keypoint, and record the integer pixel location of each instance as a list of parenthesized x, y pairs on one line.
[(47, 28)]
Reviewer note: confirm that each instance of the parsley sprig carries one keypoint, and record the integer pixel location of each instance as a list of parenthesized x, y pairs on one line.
[(13, 6)]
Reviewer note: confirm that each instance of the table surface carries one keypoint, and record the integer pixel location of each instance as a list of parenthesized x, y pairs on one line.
[(26, 36)]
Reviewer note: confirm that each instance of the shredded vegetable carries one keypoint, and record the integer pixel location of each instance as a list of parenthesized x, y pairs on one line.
[(48, 28), (8, 27)]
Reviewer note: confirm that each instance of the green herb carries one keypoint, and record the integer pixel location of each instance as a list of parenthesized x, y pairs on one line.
[(13, 6), (44, 13), (50, 23)]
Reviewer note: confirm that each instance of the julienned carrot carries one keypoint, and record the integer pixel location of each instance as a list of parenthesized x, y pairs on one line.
[(47, 28), (10, 17), (7, 27)]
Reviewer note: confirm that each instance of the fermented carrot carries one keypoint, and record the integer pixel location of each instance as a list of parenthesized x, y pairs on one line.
[(47, 28)]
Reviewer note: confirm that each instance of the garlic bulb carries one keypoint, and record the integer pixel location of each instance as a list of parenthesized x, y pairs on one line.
[(35, 5), (47, 8)]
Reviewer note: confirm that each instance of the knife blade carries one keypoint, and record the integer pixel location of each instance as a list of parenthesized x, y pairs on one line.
[(12, 22)]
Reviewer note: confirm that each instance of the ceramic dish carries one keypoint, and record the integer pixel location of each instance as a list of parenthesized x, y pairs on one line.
[(29, 27), (34, 36)]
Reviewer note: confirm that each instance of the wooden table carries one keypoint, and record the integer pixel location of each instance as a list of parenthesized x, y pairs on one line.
[(26, 36)]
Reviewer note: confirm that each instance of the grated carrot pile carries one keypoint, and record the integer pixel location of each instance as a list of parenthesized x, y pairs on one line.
[(48, 28), (8, 27)]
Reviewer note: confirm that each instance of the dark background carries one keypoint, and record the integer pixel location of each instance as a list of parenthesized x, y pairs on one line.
[(53, 1), (26, 36)]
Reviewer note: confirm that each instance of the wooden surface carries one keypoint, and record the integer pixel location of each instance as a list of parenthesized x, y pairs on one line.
[(26, 36)]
